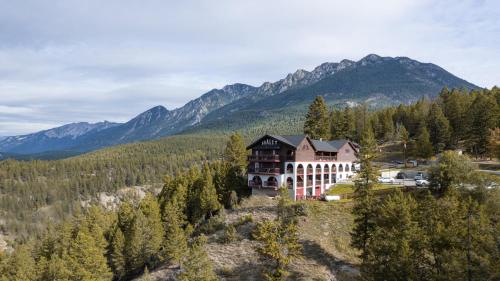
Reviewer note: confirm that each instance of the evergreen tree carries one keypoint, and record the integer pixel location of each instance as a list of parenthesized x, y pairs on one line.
[(317, 125), (424, 146), (348, 123), (20, 265), (86, 257), (493, 146), (153, 230), (364, 209), (485, 115), (279, 246), (196, 265), (117, 254), (207, 194), (439, 128), (398, 257), (175, 244), (236, 152), (337, 125)]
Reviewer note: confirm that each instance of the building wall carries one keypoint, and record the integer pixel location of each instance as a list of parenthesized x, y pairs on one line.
[(305, 151), (346, 153)]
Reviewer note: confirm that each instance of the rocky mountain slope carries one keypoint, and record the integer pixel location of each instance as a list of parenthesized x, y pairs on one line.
[(376, 80), (59, 138)]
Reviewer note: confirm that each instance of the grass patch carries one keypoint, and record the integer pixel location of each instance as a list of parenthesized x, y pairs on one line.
[(343, 188)]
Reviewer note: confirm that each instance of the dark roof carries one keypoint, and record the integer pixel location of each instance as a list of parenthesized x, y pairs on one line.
[(292, 140), (295, 140), (323, 146), (337, 143)]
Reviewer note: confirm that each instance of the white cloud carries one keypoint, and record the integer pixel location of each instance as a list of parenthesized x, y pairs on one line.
[(92, 60)]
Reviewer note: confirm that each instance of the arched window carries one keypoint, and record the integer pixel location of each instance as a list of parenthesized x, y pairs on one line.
[(334, 168), (318, 169), (300, 169), (289, 182), (347, 167), (341, 169), (326, 169), (309, 169), (289, 168), (353, 168)]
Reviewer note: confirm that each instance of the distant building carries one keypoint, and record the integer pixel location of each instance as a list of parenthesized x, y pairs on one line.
[(308, 167)]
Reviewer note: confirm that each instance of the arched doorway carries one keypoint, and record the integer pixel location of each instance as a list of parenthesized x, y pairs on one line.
[(272, 182), (256, 181)]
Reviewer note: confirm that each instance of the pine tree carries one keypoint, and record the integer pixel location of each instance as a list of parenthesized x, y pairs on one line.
[(87, 259), (279, 246), (364, 209), (439, 128), (493, 146), (175, 244), (117, 254), (196, 265), (236, 152), (207, 194), (484, 114), (393, 253), (348, 123), (153, 231), (337, 125), (424, 146), (317, 124)]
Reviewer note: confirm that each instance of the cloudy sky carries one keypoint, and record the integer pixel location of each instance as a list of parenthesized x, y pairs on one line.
[(67, 61)]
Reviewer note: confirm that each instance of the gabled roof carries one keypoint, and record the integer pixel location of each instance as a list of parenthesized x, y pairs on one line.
[(323, 146), (318, 145), (291, 140), (339, 143)]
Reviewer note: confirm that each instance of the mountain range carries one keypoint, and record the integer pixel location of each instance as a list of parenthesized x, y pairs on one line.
[(379, 81)]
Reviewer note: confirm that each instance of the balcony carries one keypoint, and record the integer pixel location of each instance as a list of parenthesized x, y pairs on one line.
[(267, 171), (264, 158), (325, 158)]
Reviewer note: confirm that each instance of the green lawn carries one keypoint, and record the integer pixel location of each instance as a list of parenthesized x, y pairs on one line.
[(343, 188)]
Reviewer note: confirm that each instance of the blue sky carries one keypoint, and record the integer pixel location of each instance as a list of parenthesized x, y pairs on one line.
[(69, 61)]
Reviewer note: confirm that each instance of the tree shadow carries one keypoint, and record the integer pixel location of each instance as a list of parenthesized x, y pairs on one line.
[(314, 251)]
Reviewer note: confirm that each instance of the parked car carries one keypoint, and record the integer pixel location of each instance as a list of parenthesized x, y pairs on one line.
[(422, 182), (412, 163), (419, 176), (401, 176), (385, 180)]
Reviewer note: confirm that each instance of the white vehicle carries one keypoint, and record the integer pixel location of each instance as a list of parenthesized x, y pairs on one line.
[(419, 176), (385, 180), (422, 182)]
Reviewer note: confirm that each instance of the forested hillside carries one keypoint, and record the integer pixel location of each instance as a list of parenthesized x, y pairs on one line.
[(33, 192)]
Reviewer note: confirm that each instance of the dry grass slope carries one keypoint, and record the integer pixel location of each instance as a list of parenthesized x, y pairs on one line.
[(324, 234)]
